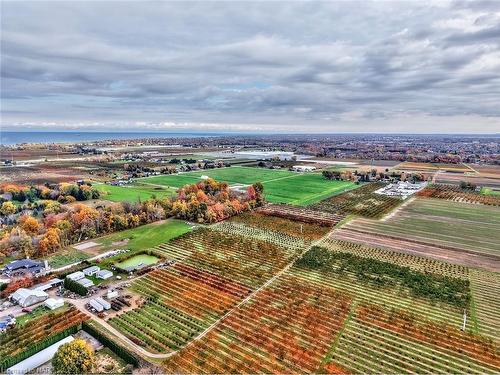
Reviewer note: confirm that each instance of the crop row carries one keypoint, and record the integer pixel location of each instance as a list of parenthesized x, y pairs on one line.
[(486, 301), (392, 297), (368, 348), (422, 264), (18, 338), (158, 327), (362, 201), (301, 214), (290, 227), (438, 335), (266, 235), (287, 328), (456, 194), (244, 260)]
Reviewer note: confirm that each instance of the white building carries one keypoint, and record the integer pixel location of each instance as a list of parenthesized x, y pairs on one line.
[(75, 276), (54, 303), (87, 283), (303, 168), (105, 304), (48, 285), (96, 305), (38, 359), (112, 294), (91, 270), (104, 274), (27, 297)]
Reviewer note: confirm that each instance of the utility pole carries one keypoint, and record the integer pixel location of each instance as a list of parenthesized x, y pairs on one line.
[(465, 320)]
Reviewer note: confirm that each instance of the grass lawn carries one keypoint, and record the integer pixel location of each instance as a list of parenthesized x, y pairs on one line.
[(231, 175), (147, 236), (304, 189), (280, 186), (132, 193)]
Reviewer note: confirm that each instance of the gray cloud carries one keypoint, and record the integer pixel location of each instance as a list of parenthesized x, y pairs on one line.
[(318, 66)]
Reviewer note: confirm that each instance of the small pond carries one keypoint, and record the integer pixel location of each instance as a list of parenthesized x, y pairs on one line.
[(137, 260)]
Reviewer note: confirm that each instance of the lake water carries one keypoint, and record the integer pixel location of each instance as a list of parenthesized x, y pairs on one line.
[(13, 138)]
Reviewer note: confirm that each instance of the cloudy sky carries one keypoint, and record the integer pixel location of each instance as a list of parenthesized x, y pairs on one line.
[(408, 67)]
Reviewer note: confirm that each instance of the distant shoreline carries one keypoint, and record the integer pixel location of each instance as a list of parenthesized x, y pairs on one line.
[(13, 138)]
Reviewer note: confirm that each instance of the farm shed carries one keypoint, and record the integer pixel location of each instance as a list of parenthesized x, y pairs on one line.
[(54, 303), (96, 305), (48, 285), (112, 294), (87, 283), (75, 276), (90, 271), (103, 303), (303, 168), (27, 297), (104, 274), (38, 359)]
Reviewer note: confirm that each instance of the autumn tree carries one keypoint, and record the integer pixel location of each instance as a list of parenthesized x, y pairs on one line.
[(29, 224), (8, 208), (50, 242), (75, 357)]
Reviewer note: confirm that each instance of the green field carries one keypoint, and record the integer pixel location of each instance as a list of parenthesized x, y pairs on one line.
[(472, 227), (489, 191), (147, 236), (304, 189), (132, 193), (280, 186)]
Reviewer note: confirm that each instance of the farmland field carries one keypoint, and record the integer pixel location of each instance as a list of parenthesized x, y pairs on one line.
[(280, 186), (474, 228), (132, 193), (362, 201)]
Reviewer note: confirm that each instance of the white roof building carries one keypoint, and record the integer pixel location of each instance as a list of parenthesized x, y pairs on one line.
[(303, 168), (112, 294), (38, 359), (103, 303), (91, 270), (104, 274), (54, 303), (96, 305), (87, 283), (49, 284), (27, 297), (75, 276)]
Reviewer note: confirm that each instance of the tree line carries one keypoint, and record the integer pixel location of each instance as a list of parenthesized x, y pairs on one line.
[(437, 288), (39, 233)]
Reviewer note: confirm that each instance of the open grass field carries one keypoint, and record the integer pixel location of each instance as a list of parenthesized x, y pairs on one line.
[(304, 189), (146, 236), (132, 193), (280, 186), (471, 227)]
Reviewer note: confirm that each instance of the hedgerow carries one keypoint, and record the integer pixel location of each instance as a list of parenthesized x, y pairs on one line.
[(432, 286)]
